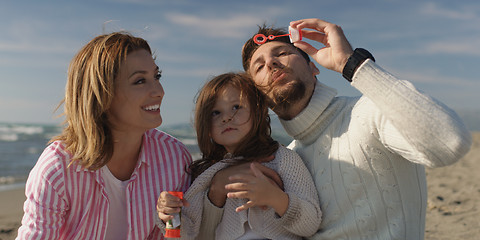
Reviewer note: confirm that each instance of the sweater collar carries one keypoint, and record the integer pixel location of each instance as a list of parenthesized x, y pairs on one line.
[(321, 98)]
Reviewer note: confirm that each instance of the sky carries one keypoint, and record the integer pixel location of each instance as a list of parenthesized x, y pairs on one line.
[(433, 44)]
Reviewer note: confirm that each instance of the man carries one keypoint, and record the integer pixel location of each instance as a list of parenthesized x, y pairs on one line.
[(366, 154)]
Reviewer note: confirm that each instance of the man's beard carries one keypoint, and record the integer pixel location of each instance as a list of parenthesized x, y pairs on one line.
[(284, 94)]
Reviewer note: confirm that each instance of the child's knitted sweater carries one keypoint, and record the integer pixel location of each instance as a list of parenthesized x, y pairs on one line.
[(302, 217)]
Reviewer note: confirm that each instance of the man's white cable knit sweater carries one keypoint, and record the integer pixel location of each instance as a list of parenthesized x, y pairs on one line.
[(367, 155)]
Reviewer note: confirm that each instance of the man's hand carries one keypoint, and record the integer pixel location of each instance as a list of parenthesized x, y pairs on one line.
[(337, 49), (218, 193), (259, 190)]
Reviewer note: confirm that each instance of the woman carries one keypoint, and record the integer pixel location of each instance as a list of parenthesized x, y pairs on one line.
[(101, 177)]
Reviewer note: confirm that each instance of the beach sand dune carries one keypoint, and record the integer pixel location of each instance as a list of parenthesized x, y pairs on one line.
[(454, 198), (453, 201)]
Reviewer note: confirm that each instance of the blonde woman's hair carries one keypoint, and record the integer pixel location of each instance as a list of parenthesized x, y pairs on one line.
[(88, 95)]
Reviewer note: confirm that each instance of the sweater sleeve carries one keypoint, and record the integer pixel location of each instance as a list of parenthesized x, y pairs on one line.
[(416, 126)]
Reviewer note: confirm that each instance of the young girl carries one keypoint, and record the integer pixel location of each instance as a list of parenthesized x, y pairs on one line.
[(233, 127)]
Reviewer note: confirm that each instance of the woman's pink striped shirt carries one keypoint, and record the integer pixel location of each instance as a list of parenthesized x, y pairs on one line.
[(70, 202)]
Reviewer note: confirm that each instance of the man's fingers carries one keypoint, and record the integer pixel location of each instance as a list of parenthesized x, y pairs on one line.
[(246, 206), (256, 171), (315, 36), (241, 194), (270, 173), (235, 187), (312, 23), (266, 171), (306, 47), (241, 177), (266, 159)]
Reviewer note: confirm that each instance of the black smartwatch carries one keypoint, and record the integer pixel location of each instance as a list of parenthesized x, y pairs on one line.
[(357, 58)]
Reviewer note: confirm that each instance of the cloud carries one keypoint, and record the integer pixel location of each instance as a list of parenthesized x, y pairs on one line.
[(465, 12), (38, 53), (196, 73), (37, 35), (211, 27), (36, 47), (454, 46), (149, 2), (227, 25), (467, 46), (433, 76)]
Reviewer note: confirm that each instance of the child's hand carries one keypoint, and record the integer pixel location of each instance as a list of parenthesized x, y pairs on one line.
[(259, 190), (168, 204)]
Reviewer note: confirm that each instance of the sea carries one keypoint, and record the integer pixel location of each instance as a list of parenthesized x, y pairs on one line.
[(20, 147), (21, 144)]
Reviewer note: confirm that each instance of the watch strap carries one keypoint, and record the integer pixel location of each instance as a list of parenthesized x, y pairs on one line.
[(357, 58)]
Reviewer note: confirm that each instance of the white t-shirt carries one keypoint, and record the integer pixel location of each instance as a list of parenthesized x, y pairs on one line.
[(117, 227)]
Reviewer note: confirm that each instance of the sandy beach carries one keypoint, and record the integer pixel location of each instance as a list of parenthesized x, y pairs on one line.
[(454, 198), (11, 212), (453, 201)]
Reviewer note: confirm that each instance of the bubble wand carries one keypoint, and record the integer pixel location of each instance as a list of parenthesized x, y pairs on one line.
[(294, 35)]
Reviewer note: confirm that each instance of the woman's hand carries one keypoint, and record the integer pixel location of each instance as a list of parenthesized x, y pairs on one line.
[(168, 204)]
